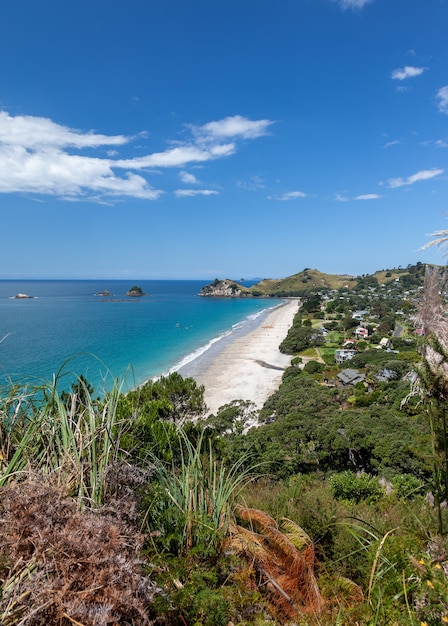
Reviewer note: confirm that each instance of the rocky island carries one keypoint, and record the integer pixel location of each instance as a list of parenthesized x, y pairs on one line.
[(135, 292), (224, 289), (22, 296)]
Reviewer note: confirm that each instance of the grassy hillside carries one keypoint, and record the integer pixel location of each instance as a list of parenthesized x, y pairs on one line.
[(313, 280), (306, 280)]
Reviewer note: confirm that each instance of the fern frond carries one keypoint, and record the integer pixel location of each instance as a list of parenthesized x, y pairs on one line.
[(259, 519), (295, 533)]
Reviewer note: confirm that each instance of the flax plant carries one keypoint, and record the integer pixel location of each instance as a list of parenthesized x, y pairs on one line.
[(75, 440), (198, 496)]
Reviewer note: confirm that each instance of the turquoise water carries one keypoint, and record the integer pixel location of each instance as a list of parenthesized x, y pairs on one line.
[(114, 337)]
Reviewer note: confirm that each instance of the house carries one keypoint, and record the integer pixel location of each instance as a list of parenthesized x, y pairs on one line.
[(359, 315), (386, 343), (361, 333), (351, 377), (342, 355)]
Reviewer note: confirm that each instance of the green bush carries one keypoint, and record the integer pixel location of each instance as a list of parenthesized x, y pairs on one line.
[(355, 487), (314, 367), (407, 486)]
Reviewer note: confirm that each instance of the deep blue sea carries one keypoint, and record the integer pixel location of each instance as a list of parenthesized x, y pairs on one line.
[(66, 325)]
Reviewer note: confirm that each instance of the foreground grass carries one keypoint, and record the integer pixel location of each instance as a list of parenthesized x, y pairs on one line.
[(89, 537)]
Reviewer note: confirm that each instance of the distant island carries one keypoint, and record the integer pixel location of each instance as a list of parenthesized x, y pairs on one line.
[(135, 292)]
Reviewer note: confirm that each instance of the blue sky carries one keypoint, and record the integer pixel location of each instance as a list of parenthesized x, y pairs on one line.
[(221, 138)]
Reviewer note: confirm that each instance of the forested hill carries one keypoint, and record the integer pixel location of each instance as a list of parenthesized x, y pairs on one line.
[(312, 280)]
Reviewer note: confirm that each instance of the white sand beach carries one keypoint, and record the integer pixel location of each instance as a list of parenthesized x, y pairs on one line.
[(251, 366)]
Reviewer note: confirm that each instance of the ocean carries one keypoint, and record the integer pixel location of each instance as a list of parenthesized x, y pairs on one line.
[(67, 327)]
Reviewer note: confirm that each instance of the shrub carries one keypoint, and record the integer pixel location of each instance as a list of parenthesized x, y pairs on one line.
[(355, 487), (407, 486), (314, 367)]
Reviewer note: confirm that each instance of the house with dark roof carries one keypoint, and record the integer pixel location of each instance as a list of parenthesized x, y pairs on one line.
[(350, 377)]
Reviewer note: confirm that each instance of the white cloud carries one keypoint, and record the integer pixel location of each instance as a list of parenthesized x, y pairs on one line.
[(353, 4), (415, 178), (37, 132), (442, 96), (36, 156), (341, 198), (54, 172), (188, 178), (441, 143), (368, 196), (177, 157), (408, 71), (291, 195), (188, 193), (232, 127)]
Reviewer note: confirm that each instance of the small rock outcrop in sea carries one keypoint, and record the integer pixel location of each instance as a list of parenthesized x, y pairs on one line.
[(223, 288), (135, 292), (22, 296), (104, 293)]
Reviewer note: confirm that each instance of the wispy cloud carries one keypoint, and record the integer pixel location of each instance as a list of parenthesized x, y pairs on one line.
[(255, 183), (353, 4), (389, 144), (409, 71), (188, 193), (177, 157), (415, 178), (37, 156), (441, 143), (291, 195), (341, 198), (188, 178), (368, 196), (442, 97)]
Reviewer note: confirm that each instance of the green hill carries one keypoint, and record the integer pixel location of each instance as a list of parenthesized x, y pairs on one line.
[(311, 281), (303, 282)]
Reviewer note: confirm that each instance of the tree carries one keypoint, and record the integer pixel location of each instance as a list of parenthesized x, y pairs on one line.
[(314, 367), (301, 337), (312, 303), (173, 397), (232, 418)]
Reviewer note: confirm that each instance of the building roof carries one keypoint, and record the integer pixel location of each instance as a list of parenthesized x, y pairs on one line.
[(351, 377)]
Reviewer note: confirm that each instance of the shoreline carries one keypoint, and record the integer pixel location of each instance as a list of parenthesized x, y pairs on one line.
[(246, 365)]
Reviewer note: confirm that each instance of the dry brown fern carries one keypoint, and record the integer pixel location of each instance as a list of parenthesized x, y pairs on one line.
[(63, 566), (285, 571)]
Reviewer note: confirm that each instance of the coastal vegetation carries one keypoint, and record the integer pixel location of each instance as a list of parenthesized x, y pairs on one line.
[(141, 508)]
